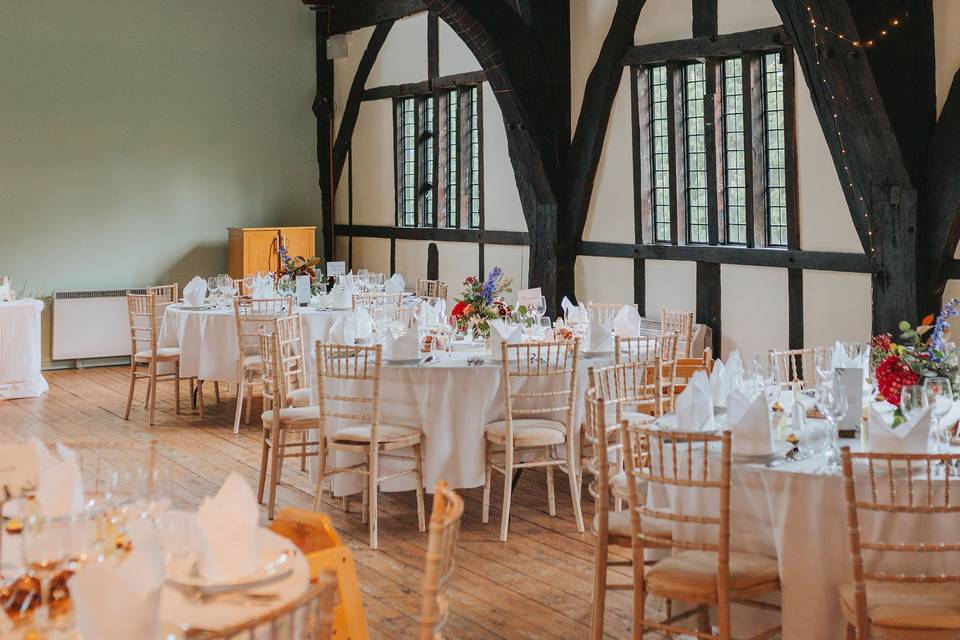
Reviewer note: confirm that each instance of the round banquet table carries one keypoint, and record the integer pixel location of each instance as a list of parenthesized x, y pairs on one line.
[(795, 512), (208, 338), (451, 401)]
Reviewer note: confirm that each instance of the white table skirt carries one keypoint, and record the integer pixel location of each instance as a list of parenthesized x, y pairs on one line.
[(20, 375), (452, 403), (208, 339)]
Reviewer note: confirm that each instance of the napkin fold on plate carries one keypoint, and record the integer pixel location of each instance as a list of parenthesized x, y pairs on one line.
[(572, 312), (840, 360), (364, 324), (716, 384), (626, 323), (907, 437), (405, 347), (432, 311), (343, 331), (500, 334), (341, 298), (600, 339), (59, 482), (394, 284), (262, 288), (749, 422), (227, 526), (5, 287), (195, 292), (695, 405), (123, 601)]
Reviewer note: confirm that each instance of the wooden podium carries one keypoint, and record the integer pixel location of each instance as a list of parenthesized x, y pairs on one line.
[(253, 249)]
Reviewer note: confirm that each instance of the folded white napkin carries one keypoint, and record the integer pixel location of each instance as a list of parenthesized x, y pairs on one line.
[(716, 384), (432, 312), (195, 292), (749, 422), (5, 287), (406, 347), (349, 283), (600, 339), (841, 360), (695, 405), (572, 312), (394, 284), (59, 483), (733, 373), (341, 298), (363, 323), (343, 331), (262, 288), (908, 437), (626, 324), (227, 524), (501, 334), (116, 602)]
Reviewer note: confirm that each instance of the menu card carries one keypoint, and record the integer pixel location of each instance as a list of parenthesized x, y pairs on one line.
[(849, 382), (528, 297), (336, 268)]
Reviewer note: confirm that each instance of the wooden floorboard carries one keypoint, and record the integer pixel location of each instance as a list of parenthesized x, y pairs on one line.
[(537, 585)]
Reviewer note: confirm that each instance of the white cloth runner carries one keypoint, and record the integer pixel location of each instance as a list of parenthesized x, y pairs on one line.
[(501, 334), (749, 423), (394, 284), (20, 334), (626, 324), (695, 405), (195, 292), (406, 347), (228, 531), (907, 437)]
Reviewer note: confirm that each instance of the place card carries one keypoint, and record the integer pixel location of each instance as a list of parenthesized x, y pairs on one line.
[(336, 268), (849, 382), (529, 297), (303, 290)]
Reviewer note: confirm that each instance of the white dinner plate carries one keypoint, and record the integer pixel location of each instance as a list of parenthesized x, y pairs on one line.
[(403, 361), (184, 307), (780, 449), (272, 566)]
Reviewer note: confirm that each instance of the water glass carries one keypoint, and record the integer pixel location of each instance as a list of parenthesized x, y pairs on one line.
[(914, 400), (823, 360), (832, 403)]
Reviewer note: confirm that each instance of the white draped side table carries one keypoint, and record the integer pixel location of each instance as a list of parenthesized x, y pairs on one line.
[(20, 375)]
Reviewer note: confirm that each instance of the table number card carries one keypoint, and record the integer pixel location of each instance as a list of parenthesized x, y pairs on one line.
[(303, 290), (849, 382), (528, 297), (336, 268)]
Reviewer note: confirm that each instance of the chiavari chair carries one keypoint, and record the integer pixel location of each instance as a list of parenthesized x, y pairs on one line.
[(680, 323), (370, 301), (900, 603), (165, 294), (280, 419), (250, 316), (795, 365), (603, 312), (145, 315), (700, 573), (308, 617), (652, 350), (444, 528), (686, 367), (609, 529), (289, 330), (551, 369), (348, 383), (384, 316), (431, 289)]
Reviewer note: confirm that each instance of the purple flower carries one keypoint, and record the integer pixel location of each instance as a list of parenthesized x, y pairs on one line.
[(942, 323), (490, 285)]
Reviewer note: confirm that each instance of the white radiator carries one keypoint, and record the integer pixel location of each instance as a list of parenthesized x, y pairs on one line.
[(91, 324)]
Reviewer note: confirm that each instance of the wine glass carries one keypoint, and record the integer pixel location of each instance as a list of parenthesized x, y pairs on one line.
[(941, 394), (914, 400), (545, 325), (248, 281), (221, 286), (212, 288), (44, 547), (538, 308), (833, 405), (823, 360)]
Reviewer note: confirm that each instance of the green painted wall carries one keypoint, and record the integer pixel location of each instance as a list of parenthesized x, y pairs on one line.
[(133, 132)]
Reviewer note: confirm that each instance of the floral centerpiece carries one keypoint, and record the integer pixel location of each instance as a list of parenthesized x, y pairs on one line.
[(922, 352), (291, 267), (480, 302)]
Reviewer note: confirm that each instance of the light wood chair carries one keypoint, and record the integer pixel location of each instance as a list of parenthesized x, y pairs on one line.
[(280, 419), (602, 312), (903, 603), (165, 294), (431, 289), (289, 331), (702, 574), (551, 369), (687, 367), (680, 323), (370, 301), (444, 528), (250, 316), (308, 617), (348, 383), (145, 315), (795, 365), (660, 351), (383, 316), (324, 552)]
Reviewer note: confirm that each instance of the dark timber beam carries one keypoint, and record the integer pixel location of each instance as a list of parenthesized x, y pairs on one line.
[(323, 112), (707, 47), (350, 15), (351, 110), (941, 192), (704, 18)]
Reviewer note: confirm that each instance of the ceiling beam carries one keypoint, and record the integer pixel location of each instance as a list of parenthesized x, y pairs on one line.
[(350, 15)]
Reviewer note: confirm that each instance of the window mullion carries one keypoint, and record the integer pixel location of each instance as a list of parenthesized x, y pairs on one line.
[(790, 147), (753, 150), (675, 118), (713, 132), (643, 154)]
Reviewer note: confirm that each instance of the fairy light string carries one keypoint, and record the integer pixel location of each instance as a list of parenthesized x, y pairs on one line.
[(816, 29)]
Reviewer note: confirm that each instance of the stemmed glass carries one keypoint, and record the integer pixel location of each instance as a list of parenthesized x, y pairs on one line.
[(212, 288), (248, 282), (45, 547), (833, 405), (823, 360), (941, 394), (914, 400)]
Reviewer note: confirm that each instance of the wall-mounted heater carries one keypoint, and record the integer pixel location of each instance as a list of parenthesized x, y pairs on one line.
[(91, 324)]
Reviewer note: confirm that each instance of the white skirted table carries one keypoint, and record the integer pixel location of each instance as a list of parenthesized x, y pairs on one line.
[(20, 375)]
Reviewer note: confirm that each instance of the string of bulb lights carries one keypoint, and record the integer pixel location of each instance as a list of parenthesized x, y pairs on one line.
[(817, 28)]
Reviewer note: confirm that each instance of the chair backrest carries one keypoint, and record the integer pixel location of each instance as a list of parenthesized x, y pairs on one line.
[(444, 529), (348, 385), (630, 384), (901, 486), (291, 350), (653, 351), (602, 312), (686, 367), (679, 460), (431, 289), (603, 440), (146, 315), (384, 316), (680, 323), (371, 301), (798, 365), (272, 381), (252, 315), (167, 293), (308, 617)]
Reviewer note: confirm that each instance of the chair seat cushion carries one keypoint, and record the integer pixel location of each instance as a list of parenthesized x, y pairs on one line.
[(618, 486), (908, 607), (162, 352), (618, 525), (385, 433), (294, 415), (253, 361), (299, 397), (528, 432), (630, 415), (692, 575)]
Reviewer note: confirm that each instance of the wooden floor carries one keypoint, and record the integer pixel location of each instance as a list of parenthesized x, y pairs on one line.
[(537, 585)]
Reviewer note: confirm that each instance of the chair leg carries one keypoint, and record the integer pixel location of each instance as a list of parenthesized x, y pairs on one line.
[(193, 394), (281, 455), (133, 384), (618, 504), (241, 389), (246, 417), (703, 620), (216, 391), (146, 400), (200, 407), (345, 503), (551, 494), (599, 589), (487, 481), (321, 471), (851, 632), (421, 511), (153, 394), (365, 504), (275, 453), (264, 460), (372, 466), (303, 451), (507, 494), (574, 488), (176, 387)]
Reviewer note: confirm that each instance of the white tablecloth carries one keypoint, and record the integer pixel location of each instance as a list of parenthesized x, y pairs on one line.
[(20, 375), (208, 339)]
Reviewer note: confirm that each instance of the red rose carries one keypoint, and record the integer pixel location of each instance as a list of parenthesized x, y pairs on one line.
[(892, 375), (458, 309)]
